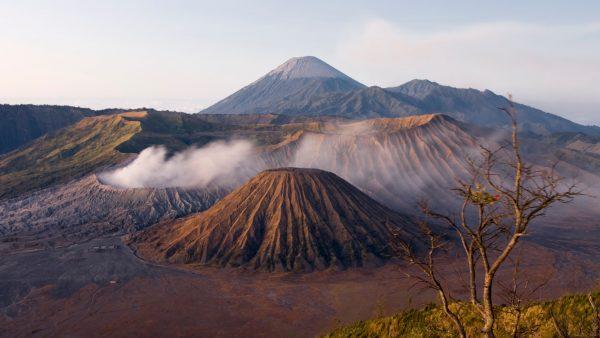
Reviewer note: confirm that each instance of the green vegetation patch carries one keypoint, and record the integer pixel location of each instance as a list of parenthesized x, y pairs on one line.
[(573, 314)]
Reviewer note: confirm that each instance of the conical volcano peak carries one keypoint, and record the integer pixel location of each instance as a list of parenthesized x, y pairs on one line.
[(288, 219), (306, 67), (297, 81)]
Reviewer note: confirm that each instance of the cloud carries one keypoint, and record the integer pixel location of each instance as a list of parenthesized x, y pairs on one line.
[(218, 163), (538, 63)]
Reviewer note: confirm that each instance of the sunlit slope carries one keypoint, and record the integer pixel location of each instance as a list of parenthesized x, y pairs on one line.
[(24, 122), (287, 219), (67, 154)]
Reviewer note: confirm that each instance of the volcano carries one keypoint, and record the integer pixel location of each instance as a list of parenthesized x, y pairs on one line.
[(299, 80), (287, 219), (397, 161)]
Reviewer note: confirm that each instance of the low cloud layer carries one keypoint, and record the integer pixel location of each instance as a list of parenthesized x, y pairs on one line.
[(195, 167)]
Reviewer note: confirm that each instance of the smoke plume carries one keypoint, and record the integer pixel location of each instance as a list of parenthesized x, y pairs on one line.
[(214, 163)]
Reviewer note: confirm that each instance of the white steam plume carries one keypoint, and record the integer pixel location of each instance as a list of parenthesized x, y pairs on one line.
[(196, 167), (396, 168)]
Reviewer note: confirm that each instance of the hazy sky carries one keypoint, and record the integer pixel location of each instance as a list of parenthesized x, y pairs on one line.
[(185, 55)]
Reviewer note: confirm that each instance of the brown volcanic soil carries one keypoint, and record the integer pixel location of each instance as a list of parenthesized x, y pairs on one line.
[(287, 219), (68, 292)]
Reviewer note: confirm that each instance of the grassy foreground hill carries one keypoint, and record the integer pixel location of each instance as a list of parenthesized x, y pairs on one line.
[(573, 315)]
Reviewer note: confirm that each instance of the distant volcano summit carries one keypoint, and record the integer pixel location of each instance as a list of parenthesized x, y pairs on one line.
[(287, 219), (300, 79), (306, 67)]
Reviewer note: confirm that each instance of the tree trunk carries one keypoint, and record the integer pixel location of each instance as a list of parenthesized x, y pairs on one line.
[(472, 285), (457, 324), (488, 307), (515, 332)]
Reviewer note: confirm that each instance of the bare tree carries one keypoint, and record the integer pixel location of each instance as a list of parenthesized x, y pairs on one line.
[(527, 198), (500, 200), (427, 266)]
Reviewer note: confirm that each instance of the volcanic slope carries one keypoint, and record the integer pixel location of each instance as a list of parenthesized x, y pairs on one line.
[(85, 208), (397, 161), (286, 219)]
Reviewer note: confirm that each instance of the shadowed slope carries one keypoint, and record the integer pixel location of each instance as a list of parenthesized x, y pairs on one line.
[(364, 103), (283, 219)]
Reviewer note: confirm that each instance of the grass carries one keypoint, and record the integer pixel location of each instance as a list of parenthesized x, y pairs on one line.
[(574, 313), (69, 153)]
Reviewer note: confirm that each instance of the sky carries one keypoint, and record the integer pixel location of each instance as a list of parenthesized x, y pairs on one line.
[(186, 55)]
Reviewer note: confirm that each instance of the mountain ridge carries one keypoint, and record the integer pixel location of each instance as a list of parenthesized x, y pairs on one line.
[(286, 91), (67, 153), (22, 123), (482, 108)]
